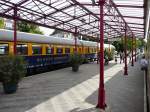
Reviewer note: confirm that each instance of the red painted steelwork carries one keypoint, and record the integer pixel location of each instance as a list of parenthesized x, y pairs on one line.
[(127, 22), (97, 49), (132, 64), (15, 30), (126, 6), (22, 2), (129, 6), (75, 38), (125, 51), (101, 96), (56, 11), (131, 27), (125, 16), (135, 49), (76, 2), (46, 17)]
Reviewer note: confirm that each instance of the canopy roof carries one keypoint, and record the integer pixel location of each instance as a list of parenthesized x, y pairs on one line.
[(67, 15)]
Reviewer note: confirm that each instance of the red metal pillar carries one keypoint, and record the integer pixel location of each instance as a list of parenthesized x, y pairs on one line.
[(132, 63), (109, 48), (75, 38), (135, 49), (125, 51), (101, 95), (15, 30), (97, 50)]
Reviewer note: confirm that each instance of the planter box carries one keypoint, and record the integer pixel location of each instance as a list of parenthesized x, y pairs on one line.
[(10, 88)]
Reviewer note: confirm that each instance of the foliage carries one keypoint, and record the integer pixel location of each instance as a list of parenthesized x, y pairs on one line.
[(2, 24), (30, 28), (76, 59), (141, 43), (120, 44), (12, 69), (108, 55)]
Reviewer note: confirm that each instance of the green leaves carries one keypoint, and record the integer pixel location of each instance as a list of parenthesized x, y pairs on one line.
[(120, 44), (30, 28), (12, 69), (2, 24), (76, 59)]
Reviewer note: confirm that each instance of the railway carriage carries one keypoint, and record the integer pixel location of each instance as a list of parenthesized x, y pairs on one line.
[(43, 51)]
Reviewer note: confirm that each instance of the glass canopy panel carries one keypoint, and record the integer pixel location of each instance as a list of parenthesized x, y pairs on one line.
[(15, 1), (131, 12), (66, 15), (133, 20), (129, 2), (61, 4)]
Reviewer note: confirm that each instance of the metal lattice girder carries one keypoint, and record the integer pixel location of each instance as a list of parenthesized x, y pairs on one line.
[(66, 15)]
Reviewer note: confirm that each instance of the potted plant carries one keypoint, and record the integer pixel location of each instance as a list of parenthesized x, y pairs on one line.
[(12, 70), (76, 60)]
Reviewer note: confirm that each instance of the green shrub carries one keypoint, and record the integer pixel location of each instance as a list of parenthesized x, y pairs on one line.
[(109, 55), (12, 69), (76, 59)]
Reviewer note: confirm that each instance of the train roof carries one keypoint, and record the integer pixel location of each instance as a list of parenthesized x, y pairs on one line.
[(7, 35), (107, 46)]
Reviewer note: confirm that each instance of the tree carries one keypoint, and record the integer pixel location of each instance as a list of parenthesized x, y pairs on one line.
[(30, 28), (120, 44), (2, 24), (141, 43)]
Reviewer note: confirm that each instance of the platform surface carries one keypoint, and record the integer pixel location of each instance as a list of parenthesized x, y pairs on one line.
[(65, 91)]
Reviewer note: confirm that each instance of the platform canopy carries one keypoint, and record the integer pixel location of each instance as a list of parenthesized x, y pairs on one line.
[(66, 15)]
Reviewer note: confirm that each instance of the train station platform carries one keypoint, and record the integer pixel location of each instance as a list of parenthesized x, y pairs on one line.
[(65, 91)]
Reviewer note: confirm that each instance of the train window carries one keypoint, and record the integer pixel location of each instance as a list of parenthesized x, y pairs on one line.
[(74, 50), (80, 50), (3, 49), (67, 50), (87, 49), (49, 50), (22, 49), (37, 49), (93, 50), (59, 50)]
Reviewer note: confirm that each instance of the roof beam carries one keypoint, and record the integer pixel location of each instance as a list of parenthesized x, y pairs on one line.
[(129, 6), (125, 16), (90, 12), (131, 27), (127, 22), (126, 6), (20, 3), (71, 5), (120, 14)]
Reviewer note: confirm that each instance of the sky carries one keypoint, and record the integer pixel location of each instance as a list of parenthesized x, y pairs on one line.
[(46, 31)]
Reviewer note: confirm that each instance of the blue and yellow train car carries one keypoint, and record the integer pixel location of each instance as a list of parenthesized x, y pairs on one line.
[(43, 51)]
